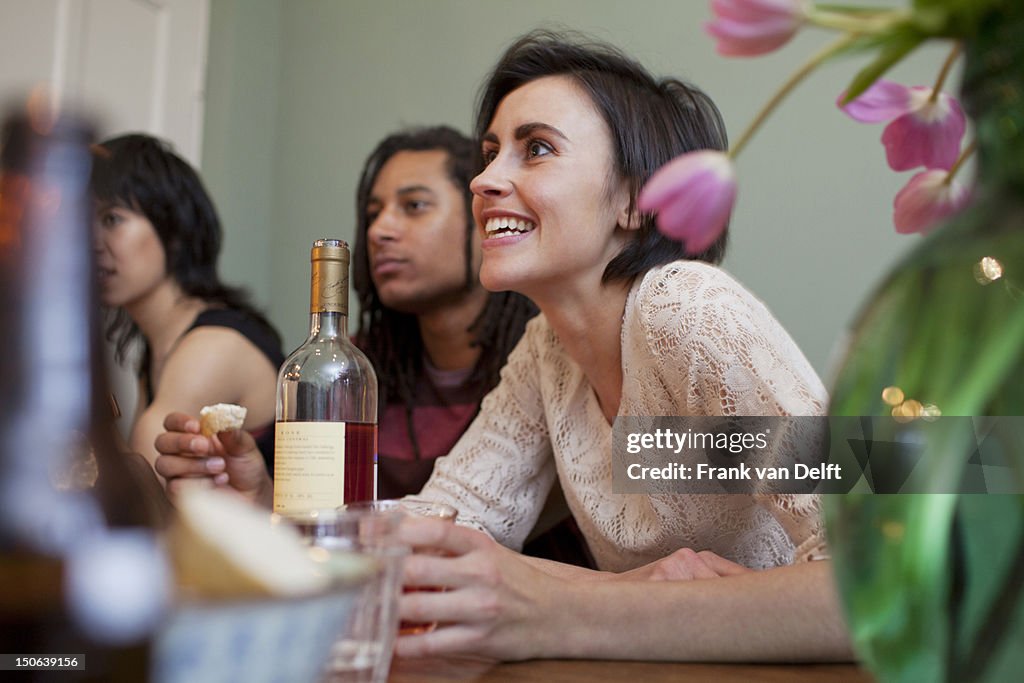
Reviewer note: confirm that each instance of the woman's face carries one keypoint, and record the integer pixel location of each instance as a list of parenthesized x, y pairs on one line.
[(130, 259), (417, 232), (548, 202)]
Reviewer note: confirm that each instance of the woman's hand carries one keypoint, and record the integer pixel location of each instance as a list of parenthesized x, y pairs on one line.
[(229, 458), (683, 565), (495, 603)]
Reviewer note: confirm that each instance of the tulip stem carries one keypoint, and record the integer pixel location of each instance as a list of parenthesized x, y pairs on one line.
[(861, 22), (944, 72), (797, 76), (964, 156)]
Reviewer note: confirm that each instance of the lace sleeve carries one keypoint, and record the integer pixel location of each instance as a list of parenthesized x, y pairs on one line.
[(501, 470), (723, 353)]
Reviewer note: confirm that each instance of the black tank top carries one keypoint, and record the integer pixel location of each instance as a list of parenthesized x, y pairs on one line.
[(263, 338)]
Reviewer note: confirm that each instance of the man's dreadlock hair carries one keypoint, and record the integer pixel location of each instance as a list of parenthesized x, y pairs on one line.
[(391, 339)]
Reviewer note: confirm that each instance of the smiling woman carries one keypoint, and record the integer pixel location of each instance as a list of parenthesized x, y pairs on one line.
[(548, 156), (569, 133)]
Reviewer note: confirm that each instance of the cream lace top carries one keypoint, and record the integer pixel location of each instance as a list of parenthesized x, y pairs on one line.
[(694, 342)]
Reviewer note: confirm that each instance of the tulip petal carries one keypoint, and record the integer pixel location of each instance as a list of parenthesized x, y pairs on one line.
[(929, 136), (698, 218), (755, 10), (736, 39), (883, 101), (671, 179), (744, 28), (693, 196), (926, 200)]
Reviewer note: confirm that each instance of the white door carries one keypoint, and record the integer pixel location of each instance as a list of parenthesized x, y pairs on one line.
[(130, 65)]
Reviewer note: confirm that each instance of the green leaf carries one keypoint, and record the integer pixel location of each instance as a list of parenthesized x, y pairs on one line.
[(896, 47), (953, 18)]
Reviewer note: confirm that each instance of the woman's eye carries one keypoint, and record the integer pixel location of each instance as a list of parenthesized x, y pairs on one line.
[(415, 206), (109, 219), (537, 148), (489, 155), (371, 218)]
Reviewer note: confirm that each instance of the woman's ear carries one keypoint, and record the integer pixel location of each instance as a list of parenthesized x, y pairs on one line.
[(628, 216), (630, 220)]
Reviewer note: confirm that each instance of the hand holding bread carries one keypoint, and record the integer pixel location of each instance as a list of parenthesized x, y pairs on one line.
[(228, 457)]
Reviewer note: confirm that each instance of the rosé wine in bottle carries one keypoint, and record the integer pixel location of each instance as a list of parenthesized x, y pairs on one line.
[(325, 451)]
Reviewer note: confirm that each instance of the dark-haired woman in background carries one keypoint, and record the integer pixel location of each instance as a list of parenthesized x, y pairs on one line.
[(157, 239)]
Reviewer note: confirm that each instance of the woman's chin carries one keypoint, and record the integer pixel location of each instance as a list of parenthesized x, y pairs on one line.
[(496, 279)]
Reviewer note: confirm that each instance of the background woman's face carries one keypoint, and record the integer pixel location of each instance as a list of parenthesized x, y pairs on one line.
[(548, 201), (130, 258), (417, 232)]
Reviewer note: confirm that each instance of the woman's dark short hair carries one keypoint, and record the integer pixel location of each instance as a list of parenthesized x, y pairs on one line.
[(143, 174), (651, 122)]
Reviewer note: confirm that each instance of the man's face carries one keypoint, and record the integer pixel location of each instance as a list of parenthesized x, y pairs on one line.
[(417, 232)]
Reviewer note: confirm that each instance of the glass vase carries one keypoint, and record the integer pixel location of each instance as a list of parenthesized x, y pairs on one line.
[(933, 584)]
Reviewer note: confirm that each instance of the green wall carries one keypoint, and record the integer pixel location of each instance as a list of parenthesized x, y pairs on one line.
[(300, 91)]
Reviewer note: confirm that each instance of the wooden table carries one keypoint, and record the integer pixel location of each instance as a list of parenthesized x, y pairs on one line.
[(469, 670)]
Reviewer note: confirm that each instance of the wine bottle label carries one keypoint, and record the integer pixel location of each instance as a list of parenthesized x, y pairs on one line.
[(309, 466)]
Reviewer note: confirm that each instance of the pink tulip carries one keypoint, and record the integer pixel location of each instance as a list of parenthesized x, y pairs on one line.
[(693, 196), (923, 132), (927, 199), (745, 28), (883, 101)]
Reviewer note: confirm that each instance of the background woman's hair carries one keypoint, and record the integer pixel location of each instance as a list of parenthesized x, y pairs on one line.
[(391, 338), (651, 122), (143, 174)]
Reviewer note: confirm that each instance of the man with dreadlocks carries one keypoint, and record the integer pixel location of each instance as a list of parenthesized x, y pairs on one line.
[(436, 337)]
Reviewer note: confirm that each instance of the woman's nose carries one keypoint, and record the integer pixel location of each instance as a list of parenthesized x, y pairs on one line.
[(97, 238), (493, 181)]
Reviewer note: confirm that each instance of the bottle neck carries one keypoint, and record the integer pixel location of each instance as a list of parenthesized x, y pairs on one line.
[(328, 293), (328, 325), (993, 93)]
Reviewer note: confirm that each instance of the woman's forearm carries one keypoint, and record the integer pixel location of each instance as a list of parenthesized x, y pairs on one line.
[(786, 614)]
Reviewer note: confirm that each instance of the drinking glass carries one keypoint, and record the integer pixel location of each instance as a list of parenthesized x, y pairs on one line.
[(420, 508), (362, 652)]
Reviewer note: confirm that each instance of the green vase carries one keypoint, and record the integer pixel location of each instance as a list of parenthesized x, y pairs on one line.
[(933, 584)]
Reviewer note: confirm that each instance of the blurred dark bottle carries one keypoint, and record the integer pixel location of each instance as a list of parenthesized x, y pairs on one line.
[(81, 571)]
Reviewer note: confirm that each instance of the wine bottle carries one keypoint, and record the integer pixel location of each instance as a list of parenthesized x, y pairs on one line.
[(82, 573), (325, 450)]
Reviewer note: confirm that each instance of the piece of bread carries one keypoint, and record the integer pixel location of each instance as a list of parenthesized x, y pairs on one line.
[(220, 418), (223, 546)]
